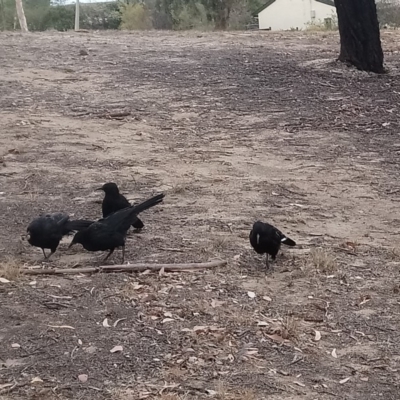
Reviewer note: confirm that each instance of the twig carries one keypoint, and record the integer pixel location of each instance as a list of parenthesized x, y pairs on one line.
[(127, 267), (15, 386), (171, 249)]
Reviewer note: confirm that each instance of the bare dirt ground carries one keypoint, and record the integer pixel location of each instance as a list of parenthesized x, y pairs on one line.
[(233, 127)]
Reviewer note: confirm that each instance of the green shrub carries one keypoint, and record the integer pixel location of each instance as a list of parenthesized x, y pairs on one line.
[(135, 17)]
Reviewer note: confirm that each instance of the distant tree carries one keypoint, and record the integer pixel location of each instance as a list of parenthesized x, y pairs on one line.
[(218, 11), (21, 16), (3, 15), (135, 17), (35, 12), (360, 43), (388, 12), (60, 18)]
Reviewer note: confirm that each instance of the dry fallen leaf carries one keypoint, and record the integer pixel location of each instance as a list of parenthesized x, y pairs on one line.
[(105, 323), (252, 295), (116, 348), (262, 323), (168, 314), (276, 338), (216, 303), (200, 328), (167, 320), (15, 345), (161, 272), (83, 378), (5, 385), (61, 326), (36, 380), (90, 349), (4, 280), (344, 380), (317, 336), (299, 383), (334, 353), (267, 298), (118, 321)]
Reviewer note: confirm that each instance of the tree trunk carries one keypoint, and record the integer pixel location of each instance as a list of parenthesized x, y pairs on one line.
[(77, 15), (360, 43), (222, 14), (3, 16), (21, 16)]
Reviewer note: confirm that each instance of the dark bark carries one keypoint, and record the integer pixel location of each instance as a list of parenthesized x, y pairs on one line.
[(222, 11), (360, 43)]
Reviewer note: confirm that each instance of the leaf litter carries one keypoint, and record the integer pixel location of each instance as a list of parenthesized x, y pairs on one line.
[(216, 336)]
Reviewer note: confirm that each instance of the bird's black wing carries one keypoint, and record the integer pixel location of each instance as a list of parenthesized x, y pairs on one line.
[(101, 237), (283, 238)]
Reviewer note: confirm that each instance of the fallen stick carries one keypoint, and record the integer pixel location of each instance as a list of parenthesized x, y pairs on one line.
[(126, 267)]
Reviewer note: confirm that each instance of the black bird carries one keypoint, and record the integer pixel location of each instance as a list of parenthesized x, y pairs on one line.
[(110, 232), (114, 201), (47, 230), (265, 238)]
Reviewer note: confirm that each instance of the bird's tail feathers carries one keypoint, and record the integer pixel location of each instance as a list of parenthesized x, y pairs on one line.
[(288, 241), (148, 203), (121, 220), (77, 225)]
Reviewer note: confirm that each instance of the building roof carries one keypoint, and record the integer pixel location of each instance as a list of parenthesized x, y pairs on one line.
[(269, 2)]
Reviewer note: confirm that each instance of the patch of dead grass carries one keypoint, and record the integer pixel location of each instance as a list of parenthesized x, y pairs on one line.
[(223, 393), (178, 189), (10, 269), (323, 261), (219, 243)]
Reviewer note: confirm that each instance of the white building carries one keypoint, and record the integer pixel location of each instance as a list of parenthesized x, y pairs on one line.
[(278, 15)]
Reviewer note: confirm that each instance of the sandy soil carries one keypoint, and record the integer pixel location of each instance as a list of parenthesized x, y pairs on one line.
[(233, 127)]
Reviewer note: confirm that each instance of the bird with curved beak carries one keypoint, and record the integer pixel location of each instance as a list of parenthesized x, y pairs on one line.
[(114, 201)]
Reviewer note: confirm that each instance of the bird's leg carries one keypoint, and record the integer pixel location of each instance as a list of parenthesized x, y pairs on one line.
[(267, 262), (123, 254), (109, 254), (45, 257)]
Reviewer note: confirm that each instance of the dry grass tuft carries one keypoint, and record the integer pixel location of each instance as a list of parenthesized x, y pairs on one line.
[(220, 243), (291, 328), (10, 269), (178, 189), (395, 254), (323, 261), (134, 291), (224, 394)]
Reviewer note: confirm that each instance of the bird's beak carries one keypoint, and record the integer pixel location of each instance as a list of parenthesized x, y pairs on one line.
[(258, 239), (99, 188)]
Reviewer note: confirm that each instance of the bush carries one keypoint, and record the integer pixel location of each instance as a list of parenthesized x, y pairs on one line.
[(100, 16), (240, 16), (191, 17), (61, 18), (135, 17)]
